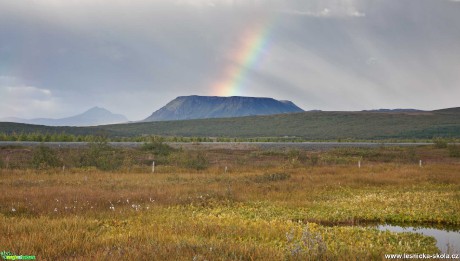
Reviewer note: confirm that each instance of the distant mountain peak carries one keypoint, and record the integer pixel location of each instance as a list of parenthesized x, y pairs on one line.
[(202, 107), (91, 117)]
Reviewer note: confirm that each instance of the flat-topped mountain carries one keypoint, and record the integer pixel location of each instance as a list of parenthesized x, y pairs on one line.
[(92, 117), (203, 107)]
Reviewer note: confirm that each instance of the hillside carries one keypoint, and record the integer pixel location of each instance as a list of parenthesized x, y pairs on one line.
[(203, 107), (311, 125), (307, 125), (13, 127)]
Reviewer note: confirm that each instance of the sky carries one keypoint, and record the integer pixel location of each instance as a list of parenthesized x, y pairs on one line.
[(61, 57)]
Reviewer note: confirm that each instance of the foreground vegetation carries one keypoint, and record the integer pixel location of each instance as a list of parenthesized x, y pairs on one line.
[(223, 204)]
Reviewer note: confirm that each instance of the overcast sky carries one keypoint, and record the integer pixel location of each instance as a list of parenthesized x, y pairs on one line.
[(61, 57)]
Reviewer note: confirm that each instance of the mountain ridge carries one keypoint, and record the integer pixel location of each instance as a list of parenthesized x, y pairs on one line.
[(204, 107)]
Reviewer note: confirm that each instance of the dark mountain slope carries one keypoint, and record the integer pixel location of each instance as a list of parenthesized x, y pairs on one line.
[(203, 107)]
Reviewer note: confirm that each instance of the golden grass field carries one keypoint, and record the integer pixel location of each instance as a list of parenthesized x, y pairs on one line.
[(268, 205)]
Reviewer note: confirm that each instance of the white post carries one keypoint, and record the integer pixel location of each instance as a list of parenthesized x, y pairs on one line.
[(420, 163), (153, 166), (359, 164)]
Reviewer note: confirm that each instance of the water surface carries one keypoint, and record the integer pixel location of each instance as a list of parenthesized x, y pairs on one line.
[(446, 241)]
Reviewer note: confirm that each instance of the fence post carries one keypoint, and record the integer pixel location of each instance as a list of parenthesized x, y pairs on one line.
[(420, 163), (153, 166), (359, 164)]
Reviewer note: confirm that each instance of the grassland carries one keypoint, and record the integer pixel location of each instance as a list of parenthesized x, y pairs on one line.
[(268, 205), (306, 126)]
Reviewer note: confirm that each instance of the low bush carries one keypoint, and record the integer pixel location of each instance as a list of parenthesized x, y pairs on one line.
[(44, 157), (454, 151), (158, 148), (270, 177), (197, 162), (313, 159), (440, 143), (102, 156)]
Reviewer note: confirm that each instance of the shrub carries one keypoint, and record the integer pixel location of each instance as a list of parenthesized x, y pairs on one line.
[(299, 156), (197, 162), (128, 161), (311, 245), (314, 159), (454, 151), (440, 143), (158, 148), (102, 156), (412, 155), (44, 157), (270, 177)]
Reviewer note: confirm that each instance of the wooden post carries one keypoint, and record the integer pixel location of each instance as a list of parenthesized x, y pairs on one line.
[(225, 169), (153, 166), (359, 164), (420, 163)]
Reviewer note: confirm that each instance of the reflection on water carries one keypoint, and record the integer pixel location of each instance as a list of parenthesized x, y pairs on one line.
[(447, 241)]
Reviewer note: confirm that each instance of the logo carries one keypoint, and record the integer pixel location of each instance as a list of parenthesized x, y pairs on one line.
[(7, 255), (4, 254)]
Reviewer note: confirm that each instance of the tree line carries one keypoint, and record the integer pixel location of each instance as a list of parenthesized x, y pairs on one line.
[(67, 137)]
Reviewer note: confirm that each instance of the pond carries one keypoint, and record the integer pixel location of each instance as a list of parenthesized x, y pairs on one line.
[(447, 241)]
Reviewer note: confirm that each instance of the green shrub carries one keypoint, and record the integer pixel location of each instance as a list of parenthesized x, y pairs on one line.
[(102, 156), (128, 160), (197, 162), (44, 157), (454, 151), (158, 148), (314, 159), (410, 155), (298, 156), (440, 143), (270, 177)]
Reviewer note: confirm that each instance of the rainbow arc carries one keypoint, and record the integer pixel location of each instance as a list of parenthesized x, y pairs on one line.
[(253, 44)]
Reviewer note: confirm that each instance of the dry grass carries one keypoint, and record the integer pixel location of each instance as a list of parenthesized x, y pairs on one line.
[(262, 209)]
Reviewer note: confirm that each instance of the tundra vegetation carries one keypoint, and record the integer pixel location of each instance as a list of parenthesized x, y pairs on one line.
[(103, 203)]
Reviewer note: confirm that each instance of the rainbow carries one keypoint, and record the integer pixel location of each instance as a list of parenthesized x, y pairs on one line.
[(254, 42)]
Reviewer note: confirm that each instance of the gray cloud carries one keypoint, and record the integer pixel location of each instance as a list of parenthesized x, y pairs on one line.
[(326, 8), (133, 57), (26, 100), (326, 12)]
